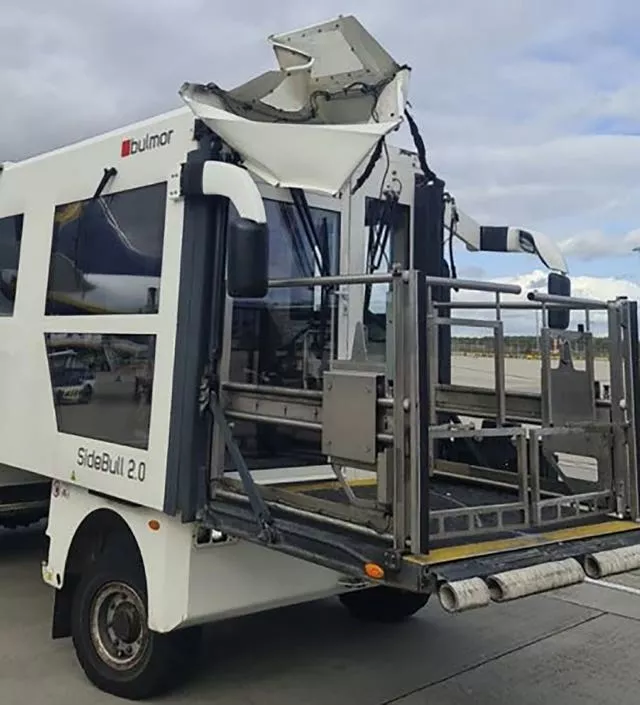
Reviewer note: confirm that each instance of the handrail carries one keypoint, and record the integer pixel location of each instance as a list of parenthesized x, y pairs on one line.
[(470, 284), (490, 305), (385, 278), (567, 301), (332, 280)]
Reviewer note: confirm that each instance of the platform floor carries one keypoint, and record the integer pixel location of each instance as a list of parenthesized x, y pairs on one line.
[(443, 494), (450, 494)]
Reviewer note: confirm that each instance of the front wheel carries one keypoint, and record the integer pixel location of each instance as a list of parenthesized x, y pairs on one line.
[(383, 604), (117, 651)]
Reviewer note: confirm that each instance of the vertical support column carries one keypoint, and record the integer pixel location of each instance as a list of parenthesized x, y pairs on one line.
[(401, 391), (620, 470), (427, 255), (535, 440), (632, 384), (545, 376), (499, 367), (198, 337), (420, 405), (590, 363), (522, 446)]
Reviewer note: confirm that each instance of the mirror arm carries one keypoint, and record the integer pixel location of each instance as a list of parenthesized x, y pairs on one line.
[(213, 178)]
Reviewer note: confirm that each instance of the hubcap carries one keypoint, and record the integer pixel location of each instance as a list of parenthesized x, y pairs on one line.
[(118, 626)]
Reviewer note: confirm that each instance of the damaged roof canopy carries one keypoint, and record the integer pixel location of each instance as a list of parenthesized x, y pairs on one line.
[(312, 122)]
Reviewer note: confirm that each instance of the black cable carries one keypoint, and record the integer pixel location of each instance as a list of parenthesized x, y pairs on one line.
[(420, 148), (302, 206), (305, 266), (452, 229), (375, 156)]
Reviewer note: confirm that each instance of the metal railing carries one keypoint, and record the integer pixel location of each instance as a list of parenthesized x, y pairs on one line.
[(409, 424)]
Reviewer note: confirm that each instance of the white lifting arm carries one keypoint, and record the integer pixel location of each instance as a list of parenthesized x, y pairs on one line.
[(504, 238)]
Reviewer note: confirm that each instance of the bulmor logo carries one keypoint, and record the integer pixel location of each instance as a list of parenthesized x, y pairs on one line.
[(144, 144)]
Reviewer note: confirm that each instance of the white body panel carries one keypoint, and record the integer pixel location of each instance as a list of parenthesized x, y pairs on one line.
[(189, 584), (34, 188)]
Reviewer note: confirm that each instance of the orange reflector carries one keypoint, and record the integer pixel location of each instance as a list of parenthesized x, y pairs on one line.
[(154, 524), (373, 570)]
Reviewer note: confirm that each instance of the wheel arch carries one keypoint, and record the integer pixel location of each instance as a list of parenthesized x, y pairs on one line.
[(101, 528)]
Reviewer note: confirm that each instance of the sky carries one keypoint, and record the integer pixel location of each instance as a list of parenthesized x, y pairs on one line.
[(530, 110)]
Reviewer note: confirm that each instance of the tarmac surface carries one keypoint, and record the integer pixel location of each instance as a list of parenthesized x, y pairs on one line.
[(521, 375), (575, 647)]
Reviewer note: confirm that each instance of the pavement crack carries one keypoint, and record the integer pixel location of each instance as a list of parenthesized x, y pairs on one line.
[(496, 657), (613, 613)]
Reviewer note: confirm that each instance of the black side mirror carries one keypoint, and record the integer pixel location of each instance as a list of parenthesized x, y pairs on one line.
[(247, 259), (559, 285)]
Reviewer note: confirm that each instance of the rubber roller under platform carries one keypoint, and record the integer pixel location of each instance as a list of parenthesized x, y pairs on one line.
[(535, 579), (617, 560), (463, 595)]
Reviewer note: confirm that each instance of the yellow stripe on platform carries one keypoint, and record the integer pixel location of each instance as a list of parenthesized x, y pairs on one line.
[(460, 552), (326, 485)]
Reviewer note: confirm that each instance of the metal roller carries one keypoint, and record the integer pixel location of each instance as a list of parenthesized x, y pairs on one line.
[(617, 560), (462, 595), (534, 579)]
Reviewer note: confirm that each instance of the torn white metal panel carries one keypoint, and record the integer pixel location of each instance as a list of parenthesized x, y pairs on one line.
[(337, 91)]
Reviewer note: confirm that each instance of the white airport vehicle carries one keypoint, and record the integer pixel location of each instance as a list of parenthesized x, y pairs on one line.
[(272, 273)]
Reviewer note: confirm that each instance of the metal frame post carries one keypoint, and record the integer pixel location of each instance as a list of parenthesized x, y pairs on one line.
[(428, 256), (420, 413), (401, 419), (629, 310), (617, 379)]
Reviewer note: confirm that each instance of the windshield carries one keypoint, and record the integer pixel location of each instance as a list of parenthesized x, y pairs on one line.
[(387, 237), (287, 338)]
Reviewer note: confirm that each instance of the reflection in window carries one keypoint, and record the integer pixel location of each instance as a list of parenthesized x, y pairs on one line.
[(387, 237), (101, 385), (283, 338), (287, 338), (10, 241), (106, 254)]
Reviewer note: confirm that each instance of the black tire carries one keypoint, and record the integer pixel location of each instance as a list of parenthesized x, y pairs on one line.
[(383, 604), (161, 659)]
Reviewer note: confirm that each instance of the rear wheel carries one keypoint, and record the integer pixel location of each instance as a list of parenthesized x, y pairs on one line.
[(119, 654), (383, 604)]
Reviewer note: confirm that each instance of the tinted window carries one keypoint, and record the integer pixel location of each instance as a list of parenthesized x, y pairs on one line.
[(387, 238), (106, 254), (101, 385), (286, 338), (10, 241)]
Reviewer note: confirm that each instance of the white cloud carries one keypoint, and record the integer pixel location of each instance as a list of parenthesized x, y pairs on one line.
[(526, 322), (542, 184), (593, 244)]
